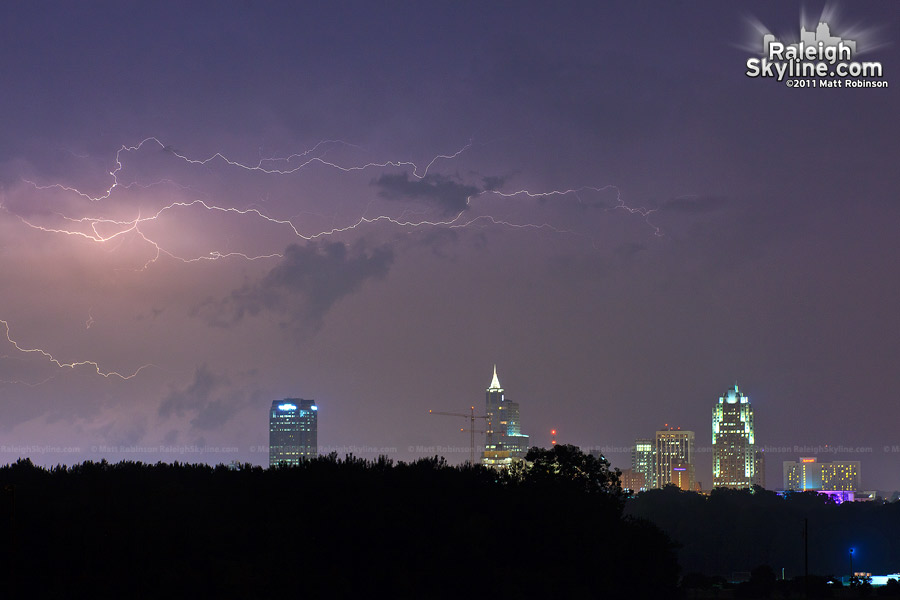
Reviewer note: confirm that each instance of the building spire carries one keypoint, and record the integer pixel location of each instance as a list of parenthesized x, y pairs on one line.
[(495, 382)]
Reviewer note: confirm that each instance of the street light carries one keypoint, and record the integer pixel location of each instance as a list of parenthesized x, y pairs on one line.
[(851, 566)]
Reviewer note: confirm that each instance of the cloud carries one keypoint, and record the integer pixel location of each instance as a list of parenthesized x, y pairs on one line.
[(210, 398), (441, 242), (630, 249), (194, 397), (124, 432), (692, 205), (304, 286), (493, 182), (450, 196)]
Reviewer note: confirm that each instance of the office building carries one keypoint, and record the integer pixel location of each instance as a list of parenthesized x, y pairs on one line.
[(810, 474), (632, 480), (683, 477), (674, 448), (642, 462), (504, 441), (759, 461), (293, 429), (737, 463)]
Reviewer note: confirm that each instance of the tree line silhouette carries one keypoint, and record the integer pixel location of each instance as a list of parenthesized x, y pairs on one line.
[(330, 527), (733, 531)]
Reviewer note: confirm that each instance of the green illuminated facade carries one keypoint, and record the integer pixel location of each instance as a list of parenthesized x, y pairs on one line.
[(737, 462), (643, 462)]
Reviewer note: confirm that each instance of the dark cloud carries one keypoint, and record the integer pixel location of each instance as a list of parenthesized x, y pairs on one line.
[(304, 286), (492, 183), (215, 413), (192, 398), (126, 432), (450, 196), (209, 399)]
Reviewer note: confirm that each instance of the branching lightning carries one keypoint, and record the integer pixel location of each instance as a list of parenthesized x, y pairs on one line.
[(456, 221), (620, 202), (69, 365), (103, 230), (249, 167)]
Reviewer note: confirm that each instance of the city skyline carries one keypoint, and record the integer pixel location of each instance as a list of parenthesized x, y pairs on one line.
[(207, 207)]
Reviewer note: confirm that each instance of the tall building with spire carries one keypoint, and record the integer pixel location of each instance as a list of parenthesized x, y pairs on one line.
[(737, 462), (503, 440)]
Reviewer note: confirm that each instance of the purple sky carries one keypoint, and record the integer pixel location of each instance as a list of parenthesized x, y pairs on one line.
[(595, 197)]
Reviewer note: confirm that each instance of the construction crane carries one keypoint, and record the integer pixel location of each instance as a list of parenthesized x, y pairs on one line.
[(471, 416)]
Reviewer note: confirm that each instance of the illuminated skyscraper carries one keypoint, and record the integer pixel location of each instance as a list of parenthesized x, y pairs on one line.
[(642, 461), (293, 431), (674, 448), (809, 474), (503, 440), (737, 463)]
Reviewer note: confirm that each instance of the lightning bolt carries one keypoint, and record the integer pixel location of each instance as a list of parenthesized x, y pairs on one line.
[(250, 167), (263, 165), (103, 230), (620, 202), (69, 365)]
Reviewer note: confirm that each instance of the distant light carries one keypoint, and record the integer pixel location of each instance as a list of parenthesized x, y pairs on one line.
[(314, 407), (287, 406)]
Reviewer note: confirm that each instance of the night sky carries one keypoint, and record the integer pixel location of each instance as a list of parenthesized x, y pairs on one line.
[(371, 204)]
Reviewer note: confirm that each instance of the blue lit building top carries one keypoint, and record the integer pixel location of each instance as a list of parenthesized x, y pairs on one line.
[(293, 431)]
